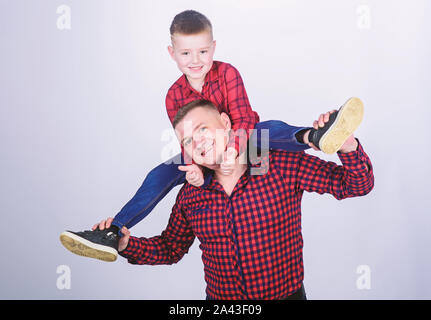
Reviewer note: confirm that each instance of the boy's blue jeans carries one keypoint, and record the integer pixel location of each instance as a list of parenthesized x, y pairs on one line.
[(165, 177)]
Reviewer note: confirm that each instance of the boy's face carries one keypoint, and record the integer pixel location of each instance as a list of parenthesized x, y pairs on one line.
[(193, 54)]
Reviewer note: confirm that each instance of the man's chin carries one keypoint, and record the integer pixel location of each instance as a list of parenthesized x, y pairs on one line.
[(211, 166), (204, 163), (208, 163)]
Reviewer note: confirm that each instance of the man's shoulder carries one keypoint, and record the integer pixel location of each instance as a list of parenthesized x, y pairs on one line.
[(187, 193), (282, 155), (283, 159), (274, 161)]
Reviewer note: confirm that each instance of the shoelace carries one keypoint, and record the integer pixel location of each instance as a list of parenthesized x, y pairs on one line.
[(111, 235)]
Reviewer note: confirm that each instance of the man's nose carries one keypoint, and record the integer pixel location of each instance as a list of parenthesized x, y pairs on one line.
[(198, 140)]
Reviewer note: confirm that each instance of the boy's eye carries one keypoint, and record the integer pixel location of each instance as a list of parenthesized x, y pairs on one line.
[(184, 53), (204, 51)]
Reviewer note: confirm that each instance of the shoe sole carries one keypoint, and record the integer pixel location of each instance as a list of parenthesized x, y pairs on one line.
[(83, 247), (348, 119)]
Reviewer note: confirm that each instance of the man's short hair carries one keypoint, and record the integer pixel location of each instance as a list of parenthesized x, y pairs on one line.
[(190, 22), (201, 103)]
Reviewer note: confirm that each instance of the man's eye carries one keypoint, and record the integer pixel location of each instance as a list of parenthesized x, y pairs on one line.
[(204, 51), (187, 142), (203, 129), (184, 53)]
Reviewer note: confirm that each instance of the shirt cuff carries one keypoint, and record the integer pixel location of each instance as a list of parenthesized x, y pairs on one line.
[(133, 250), (356, 161)]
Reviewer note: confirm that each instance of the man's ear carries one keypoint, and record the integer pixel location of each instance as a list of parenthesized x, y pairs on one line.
[(226, 121), (177, 134)]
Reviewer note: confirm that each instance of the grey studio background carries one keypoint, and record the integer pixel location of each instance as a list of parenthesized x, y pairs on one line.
[(82, 89)]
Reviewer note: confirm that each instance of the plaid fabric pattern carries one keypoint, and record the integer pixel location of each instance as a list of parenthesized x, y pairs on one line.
[(224, 87), (251, 241)]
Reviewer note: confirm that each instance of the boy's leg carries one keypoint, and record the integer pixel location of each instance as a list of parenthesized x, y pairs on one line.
[(103, 244), (328, 138), (156, 185), (280, 136)]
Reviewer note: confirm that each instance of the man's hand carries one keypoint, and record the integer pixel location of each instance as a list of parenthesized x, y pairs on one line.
[(124, 240), (319, 123), (194, 174), (349, 145), (228, 163)]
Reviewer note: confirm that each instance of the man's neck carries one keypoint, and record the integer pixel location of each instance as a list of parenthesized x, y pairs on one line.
[(229, 182)]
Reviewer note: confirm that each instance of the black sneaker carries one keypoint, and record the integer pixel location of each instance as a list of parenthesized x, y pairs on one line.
[(98, 244), (340, 126)]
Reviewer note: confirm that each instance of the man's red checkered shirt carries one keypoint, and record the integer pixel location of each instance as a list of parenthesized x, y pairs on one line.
[(251, 241), (224, 87)]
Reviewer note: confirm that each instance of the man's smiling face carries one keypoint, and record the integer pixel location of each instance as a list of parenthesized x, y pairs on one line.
[(203, 133)]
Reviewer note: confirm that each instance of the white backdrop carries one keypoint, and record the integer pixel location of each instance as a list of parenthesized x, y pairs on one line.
[(82, 118)]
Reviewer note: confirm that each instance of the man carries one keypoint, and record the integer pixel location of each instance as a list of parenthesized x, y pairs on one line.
[(249, 225)]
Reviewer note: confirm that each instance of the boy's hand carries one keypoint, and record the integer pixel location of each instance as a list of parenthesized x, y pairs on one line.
[(228, 163), (194, 174), (124, 240)]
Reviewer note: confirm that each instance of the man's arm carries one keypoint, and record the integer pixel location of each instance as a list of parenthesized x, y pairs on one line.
[(354, 178), (169, 247)]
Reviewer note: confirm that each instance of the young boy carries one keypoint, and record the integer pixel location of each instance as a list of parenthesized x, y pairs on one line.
[(193, 49)]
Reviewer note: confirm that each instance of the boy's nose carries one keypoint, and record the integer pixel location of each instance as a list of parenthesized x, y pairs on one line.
[(195, 58)]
